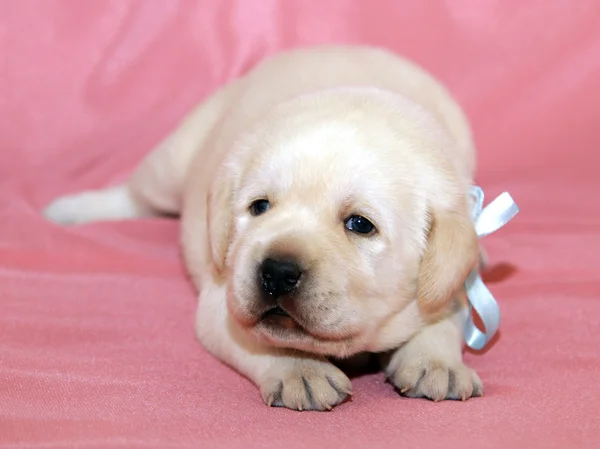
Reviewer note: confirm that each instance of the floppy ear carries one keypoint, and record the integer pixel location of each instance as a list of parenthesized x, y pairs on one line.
[(220, 217), (451, 253)]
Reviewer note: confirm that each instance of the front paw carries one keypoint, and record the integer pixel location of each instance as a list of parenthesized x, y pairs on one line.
[(305, 384), (434, 379)]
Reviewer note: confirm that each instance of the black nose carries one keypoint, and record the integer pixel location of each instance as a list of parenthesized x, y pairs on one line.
[(279, 277)]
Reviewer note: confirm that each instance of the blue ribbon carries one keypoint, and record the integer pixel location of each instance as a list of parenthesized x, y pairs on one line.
[(488, 220)]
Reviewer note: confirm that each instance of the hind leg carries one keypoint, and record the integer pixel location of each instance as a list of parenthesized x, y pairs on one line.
[(113, 203), (153, 189)]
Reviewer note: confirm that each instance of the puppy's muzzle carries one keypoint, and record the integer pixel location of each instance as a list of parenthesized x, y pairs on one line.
[(279, 277)]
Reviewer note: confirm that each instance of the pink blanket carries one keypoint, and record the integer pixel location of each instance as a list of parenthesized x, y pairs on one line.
[(97, 348)]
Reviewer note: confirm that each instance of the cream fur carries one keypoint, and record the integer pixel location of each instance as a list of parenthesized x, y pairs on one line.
[(322, 133)]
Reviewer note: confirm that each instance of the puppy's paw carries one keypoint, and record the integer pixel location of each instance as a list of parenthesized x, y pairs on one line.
[(421, 377), (113, 203), (305, 384), (68, 209)]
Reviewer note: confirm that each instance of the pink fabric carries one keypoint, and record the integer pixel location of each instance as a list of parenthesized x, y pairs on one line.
[(96, 341)]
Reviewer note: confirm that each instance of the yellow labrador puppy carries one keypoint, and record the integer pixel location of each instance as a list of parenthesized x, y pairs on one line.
[(325, 213)]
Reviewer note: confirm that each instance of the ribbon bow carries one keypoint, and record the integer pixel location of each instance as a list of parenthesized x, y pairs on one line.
[(488, 220)]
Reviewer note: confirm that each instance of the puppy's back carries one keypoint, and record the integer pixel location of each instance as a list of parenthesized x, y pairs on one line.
[(206, 135), (305, 70)]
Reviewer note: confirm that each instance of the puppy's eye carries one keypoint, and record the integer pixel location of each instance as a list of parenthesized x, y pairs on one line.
[(359, 224), (259, 207)]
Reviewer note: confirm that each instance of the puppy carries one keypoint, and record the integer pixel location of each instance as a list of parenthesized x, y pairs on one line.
[(325, 213)]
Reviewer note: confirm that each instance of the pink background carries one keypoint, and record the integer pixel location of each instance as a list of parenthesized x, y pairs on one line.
[(96, 341)]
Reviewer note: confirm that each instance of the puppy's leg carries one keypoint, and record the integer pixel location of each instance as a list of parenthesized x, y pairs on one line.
[(155, 187), (430, 365), (286, 378), (114, 203)]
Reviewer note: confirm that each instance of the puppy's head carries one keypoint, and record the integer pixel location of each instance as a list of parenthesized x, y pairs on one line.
[(336, 212)]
